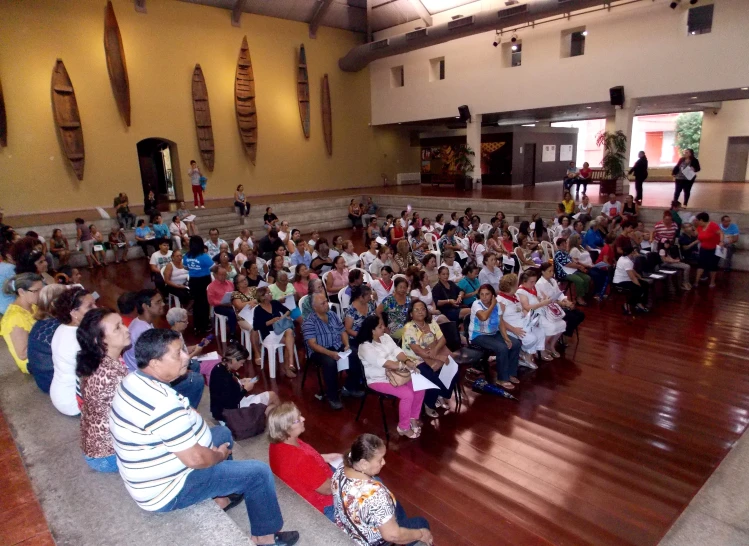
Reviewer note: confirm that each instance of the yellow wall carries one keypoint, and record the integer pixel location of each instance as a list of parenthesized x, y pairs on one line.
[(731, 120), (161, 48)]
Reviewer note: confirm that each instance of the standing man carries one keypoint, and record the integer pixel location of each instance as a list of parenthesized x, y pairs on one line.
[(640, 170), (150, 306), (197, 190)]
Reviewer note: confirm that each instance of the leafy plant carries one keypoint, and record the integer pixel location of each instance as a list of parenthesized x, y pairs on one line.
[(689, 131), (614, 153), (463, 163)]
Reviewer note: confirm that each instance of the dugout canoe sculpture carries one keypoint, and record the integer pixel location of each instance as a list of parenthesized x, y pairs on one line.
[(302, 90), (327, 121), (3, 120), (244, 101), (202, 117), (116, 65), (67, 118)]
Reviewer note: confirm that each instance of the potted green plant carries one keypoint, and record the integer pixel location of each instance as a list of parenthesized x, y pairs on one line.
[(614, 159), (464, 164)]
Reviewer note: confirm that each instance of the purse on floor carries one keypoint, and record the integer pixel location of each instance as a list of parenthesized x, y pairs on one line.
[(245, 422)]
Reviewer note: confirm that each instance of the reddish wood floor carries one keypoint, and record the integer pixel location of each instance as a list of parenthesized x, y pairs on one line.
[(604, 447)]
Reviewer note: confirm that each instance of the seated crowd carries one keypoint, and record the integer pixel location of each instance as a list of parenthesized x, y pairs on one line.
[(404, 307)]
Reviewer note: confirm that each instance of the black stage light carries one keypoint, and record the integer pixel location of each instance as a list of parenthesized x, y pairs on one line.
[(674, 4)]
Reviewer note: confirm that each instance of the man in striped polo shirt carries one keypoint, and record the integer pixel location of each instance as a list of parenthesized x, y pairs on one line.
[(665, 230), (169, 458)]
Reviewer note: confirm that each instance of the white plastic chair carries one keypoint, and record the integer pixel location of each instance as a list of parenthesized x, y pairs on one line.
[(514, 232), (548, 250), (434, 248), (367, 276), (172, 300), (344, 299), (484, 229), (272, 349), (219, 324), (246, 335)]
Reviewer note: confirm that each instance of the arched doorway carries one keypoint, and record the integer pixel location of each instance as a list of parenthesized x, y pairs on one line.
[(159, 169)]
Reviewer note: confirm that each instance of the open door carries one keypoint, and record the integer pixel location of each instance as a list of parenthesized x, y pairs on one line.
[(529, 164)]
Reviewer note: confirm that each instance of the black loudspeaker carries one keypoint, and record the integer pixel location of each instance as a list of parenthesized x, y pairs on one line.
[(465, 113), (617, 95)]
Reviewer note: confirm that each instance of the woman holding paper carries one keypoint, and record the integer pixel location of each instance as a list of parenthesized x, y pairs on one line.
[(282, 290), (296, 462), (685, 173), (380, 355), (423, 340), (267, 313)]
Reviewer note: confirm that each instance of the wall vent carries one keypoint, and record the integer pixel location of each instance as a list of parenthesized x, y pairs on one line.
[(510, 12), (420, 33), (460, 23), (380, 44)]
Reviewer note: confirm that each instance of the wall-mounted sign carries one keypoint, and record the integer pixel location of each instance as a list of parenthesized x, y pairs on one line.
[(549, 153)]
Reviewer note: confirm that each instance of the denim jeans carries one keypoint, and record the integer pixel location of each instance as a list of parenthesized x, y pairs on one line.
[(102, 464), (409, 523), (507, 359), (191, 387), (253, 479)]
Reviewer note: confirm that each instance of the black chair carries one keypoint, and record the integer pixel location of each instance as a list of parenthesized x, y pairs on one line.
[(367, 391), (320, 395)]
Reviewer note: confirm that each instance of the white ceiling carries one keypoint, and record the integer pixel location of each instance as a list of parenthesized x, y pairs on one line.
[(345, 14)]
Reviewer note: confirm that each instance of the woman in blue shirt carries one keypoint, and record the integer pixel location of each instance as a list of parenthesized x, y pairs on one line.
[(198, 263), (470, 284), (145, 238)]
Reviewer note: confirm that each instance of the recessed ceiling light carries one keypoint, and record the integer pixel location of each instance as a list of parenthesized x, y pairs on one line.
[(692, 97), (457, 117), (745, 88), (588, 107), (585, 32)]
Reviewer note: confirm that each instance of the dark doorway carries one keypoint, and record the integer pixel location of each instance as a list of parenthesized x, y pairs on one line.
[(529, 165), (737, 157), (159, 164)]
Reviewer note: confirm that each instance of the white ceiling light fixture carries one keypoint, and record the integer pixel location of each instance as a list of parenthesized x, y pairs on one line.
[(585, 33), (692, 97), (589, 107)]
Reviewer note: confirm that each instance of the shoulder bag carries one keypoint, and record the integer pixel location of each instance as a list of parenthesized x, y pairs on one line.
[(245, 422), (398, 377), (282, 325)]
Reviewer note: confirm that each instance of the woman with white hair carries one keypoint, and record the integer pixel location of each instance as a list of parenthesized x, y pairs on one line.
[(39, 351), (177, 319)]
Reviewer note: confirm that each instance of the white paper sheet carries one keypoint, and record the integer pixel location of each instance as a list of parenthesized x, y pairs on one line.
[(575, 216), (448, 371), (190, 218), (508, 261), (209, 356), (290, 303), (343, 361), (99, 248), (336, 462), (226, 300), (381, 240), (549, 153), (421, 383), (463, 254), (247, 313), (262, 284), (688, 172), (668, 271), (655, 276), (565, 152), (121, 244), (95, 295), (720, 251)]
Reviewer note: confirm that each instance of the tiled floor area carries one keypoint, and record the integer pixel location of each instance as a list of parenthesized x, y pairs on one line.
[(23, 522)]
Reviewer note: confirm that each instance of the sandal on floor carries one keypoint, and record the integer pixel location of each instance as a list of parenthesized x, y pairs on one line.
[(547, 357), (555, 354), (506, 385), (514, 380), (408, 433), (290, 373), (416, 424)]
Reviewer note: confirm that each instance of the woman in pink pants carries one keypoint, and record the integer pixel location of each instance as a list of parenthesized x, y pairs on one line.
[(379, 353)]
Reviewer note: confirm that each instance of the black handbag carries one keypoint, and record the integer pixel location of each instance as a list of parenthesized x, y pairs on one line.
[(245, 422)]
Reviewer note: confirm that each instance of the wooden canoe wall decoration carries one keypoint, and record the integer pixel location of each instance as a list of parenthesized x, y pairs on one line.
[(3, 120), (67, 118), (327, 122), (244, 101), (202, 117), (302, 90), (116, 63)]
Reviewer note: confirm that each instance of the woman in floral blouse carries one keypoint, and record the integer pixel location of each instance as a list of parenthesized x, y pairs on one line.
[(362, 306), (394, 308), (102, 337)]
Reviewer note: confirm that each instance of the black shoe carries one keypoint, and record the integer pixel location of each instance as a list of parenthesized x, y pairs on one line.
[(234, 499), (352, 394), (285, 538), (335, 404)]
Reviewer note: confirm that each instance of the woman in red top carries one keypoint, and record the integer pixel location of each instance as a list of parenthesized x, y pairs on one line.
[(708, 233), (583, 177), (608, 254), (297, 463)]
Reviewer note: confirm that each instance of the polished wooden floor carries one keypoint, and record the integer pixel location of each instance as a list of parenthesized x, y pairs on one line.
[(603, 447)]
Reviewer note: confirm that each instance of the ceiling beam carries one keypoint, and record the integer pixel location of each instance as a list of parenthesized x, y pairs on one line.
[(236, 12), (421, 11), (140, 6), (316, 20), (369, 21)]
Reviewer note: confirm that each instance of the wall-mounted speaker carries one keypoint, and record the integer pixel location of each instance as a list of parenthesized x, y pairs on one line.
[(617, 95), (465, 113)]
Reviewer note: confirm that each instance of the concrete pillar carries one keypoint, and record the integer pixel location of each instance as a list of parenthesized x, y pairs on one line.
[(623, 120), (473, 139)]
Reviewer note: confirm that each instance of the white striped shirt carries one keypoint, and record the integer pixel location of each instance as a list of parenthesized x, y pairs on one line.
[(149, 422)]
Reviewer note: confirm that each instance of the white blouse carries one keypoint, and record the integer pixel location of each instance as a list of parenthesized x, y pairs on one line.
[(351, 259), (549, 289), (426, 298), (373, 356), (582, 256), (381, 291), (65, 349)]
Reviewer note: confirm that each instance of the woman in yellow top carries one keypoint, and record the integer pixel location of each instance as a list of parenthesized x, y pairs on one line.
[(569, 203), (19, 318), (423, 341)]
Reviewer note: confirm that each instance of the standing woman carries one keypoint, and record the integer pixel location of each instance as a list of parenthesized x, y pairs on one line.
[(58, 245), (354, 214), (684, 181), (69, 309), (197, 189), (240, 201), (102, 337), (640, 170), (198, 264), (19, 317)]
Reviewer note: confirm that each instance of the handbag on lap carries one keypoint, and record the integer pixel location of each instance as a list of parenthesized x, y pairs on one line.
[(282, 325)]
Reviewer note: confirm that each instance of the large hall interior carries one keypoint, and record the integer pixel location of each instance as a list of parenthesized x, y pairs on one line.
[(330, 272)]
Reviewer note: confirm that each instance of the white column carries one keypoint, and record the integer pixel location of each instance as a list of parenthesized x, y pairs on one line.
[(473, 139), (623, 120)]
